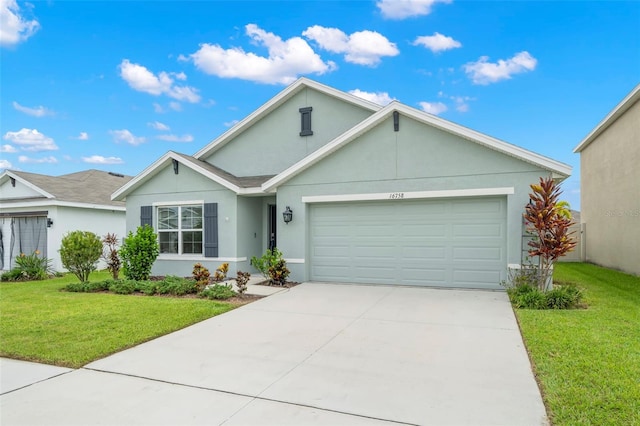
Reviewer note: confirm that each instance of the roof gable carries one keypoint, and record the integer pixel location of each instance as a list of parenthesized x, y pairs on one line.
[(500, 146), (274, 103), (619, 110), (239, 185), (86, 187)]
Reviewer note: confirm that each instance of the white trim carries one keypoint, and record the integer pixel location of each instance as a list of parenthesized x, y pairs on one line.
[(173, 257), (177, 203), (399, 195), (514, 266), (429, 119), (615, 113), (294, 260), (27, 184), (54, 202), (163, 161), (276, 101)]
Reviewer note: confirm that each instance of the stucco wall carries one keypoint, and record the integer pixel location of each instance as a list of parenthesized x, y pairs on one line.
[(610, 194), (8, 191), (274, 143), (188, 186), (417, 158), (68, 219)]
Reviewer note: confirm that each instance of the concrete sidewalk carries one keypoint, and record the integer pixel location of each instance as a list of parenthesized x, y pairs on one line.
[(313, 354)]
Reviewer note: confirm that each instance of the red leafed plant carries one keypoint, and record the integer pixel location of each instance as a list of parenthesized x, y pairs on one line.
[(548, 220)]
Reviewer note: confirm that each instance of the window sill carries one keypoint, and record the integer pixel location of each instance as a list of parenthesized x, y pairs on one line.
[(200, 258)]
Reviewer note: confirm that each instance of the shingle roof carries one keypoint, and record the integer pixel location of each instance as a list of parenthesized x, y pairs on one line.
[(242, 182), (87, 187)]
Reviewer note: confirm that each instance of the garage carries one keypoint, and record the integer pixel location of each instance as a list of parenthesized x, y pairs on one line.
[(457, 242)]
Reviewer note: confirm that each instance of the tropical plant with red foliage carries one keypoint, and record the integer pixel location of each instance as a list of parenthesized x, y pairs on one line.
[(548, 219)]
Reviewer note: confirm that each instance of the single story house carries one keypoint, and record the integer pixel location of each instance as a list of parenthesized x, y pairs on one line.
[(610, 187), (36, 211), (348, 190)]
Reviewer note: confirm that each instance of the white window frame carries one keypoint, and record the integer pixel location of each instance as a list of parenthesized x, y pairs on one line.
[(179, 205)]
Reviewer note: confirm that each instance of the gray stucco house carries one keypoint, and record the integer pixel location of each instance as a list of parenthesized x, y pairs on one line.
[(610, 187), (36, 211), (387, 195)]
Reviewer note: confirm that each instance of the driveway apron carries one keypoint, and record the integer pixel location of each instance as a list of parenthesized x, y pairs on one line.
[(316, 354)]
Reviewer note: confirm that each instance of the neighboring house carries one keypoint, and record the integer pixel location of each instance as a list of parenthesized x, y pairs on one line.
[(575, 255), (610, 187), (388, 195), (36, 211)]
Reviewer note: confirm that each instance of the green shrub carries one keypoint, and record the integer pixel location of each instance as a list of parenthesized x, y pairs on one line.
[(13, 275), (272, 266), (139, 252), (31, 267), (563, 297), (88, 287), (149, 288), (176, 286), (268, 259), (123, 286), (79, 252), (218, 292)]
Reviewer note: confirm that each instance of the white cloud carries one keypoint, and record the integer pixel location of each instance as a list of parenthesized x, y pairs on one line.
[(48, 160), (30, 140), (462, 102), (99, 159), (159, 126), (38, 111), (287, 59), (4, 164), (434, 108), (362, 47), (158, 108), (143, 80), (484, 72), (400, 9), (437, 42), (9, 149), (125, 135), (83, 136), (14, 28), (230, 123), (176, 106), (175, 138), (380, 98)]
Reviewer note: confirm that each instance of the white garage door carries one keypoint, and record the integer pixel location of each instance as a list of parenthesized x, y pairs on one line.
[(445, 243)]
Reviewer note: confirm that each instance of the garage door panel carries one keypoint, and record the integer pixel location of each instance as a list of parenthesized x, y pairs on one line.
[(477, 253), (458, 243)]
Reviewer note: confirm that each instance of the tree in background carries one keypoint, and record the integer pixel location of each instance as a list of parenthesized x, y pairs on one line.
[(548, 219)]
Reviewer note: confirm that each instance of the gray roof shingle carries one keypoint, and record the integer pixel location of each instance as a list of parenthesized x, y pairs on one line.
[(87, 187)]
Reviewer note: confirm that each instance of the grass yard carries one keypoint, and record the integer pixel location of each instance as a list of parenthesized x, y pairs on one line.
[(588, 360), (40, 323)]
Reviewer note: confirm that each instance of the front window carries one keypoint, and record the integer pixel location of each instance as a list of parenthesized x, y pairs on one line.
[(180, 229)]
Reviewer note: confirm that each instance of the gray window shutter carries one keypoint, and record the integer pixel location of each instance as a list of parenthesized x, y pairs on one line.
[(146, 216), (211, 230)]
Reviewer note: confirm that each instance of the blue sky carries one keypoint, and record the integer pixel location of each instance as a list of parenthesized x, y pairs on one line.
[(114, 85)]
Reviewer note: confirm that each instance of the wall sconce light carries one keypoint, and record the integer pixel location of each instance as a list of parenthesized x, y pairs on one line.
[(287, 215), (49, 222)]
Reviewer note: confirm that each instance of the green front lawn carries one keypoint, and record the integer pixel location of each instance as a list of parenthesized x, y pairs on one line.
[(588, 360), (38, 322)]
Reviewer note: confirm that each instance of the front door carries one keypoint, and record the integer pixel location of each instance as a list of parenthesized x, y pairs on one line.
[(271, 229)]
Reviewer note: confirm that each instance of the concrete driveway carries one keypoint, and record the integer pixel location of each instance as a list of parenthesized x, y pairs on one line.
[(316, 354)]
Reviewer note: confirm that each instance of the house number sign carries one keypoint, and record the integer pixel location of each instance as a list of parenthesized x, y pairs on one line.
[(396, 195)]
